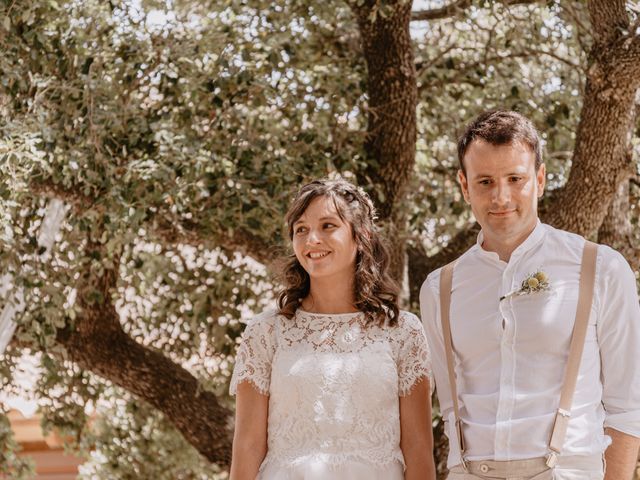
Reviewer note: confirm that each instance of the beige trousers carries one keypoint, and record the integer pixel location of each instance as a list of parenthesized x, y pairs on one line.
[(568, 468)]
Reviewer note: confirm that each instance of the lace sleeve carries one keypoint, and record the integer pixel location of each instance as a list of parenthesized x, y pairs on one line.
[(413, 356), (255, 354)]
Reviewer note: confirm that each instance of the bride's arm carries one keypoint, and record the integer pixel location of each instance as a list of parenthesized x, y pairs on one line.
[(416, 436), (250, 435)]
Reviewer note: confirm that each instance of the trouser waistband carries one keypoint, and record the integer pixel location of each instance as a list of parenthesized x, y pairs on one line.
[(528, 467)]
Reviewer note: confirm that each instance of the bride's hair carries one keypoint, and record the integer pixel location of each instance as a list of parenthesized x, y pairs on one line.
[(375, 292)]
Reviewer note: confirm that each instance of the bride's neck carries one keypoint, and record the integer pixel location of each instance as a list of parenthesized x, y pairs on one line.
[(330, 297)]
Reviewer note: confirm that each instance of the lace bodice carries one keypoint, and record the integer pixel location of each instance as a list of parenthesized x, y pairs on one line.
[(333, 384)]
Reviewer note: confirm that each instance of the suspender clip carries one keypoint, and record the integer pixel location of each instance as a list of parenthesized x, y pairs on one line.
[(552, 460), (463, 462), (461, 445), (460, 436)]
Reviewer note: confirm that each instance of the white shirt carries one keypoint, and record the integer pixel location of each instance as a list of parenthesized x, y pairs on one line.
[(334, 384), (511, 354)]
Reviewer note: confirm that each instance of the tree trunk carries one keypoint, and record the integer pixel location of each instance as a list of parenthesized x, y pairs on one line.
[(616, 229), (391, 140)]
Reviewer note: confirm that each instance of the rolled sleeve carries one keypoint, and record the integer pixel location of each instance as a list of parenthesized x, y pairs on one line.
[(618, 330)]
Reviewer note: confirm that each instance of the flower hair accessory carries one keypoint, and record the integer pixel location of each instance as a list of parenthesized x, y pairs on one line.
[(534, 282)]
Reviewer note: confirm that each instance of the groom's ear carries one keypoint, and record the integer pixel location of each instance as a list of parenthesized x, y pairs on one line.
[(464, 186), (541, 178)]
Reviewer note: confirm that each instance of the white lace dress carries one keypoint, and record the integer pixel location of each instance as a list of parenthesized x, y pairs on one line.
[(334, 386)]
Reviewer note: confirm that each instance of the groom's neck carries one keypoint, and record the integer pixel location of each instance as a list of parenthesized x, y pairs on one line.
[(505, 245)]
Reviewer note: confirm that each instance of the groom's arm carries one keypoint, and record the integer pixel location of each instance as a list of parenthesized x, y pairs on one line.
[(621, 456), (618, 333)]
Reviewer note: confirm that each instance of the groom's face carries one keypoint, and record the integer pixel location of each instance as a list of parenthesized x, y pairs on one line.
[(502, 186)]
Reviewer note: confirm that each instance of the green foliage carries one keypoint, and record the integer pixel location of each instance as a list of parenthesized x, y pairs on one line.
[(177, 130), (168, 139), (144, 444)]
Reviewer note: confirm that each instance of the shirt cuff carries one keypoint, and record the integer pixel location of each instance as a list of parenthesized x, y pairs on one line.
[(625, 422)]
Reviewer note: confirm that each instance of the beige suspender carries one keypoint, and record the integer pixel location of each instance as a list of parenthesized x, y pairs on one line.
[(585, 299), (446, 281)]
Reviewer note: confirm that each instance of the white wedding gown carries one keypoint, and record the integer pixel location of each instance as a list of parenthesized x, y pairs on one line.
[(334, 386)]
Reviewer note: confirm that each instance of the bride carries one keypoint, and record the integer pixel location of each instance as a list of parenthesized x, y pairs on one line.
[(335, 383)]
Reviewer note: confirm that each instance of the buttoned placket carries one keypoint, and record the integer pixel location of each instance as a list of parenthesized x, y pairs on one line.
[(506, 396)]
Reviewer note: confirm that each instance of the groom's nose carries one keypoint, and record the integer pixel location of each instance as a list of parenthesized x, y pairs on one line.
[(501, 193)]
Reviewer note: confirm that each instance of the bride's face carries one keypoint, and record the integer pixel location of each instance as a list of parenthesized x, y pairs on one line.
[(323, 242)]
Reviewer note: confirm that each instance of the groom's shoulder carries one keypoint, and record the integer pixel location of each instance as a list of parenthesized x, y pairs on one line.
[(562, 238), (573, 241), (431, 284), (429, 291)]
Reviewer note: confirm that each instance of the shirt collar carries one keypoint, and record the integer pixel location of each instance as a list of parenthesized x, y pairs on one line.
[(532, 240)]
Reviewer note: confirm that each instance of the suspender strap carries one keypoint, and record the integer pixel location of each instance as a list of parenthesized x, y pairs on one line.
[(585, 299), (446, 281)]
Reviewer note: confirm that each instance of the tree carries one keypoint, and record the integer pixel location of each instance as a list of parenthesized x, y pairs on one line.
[(176, 132)]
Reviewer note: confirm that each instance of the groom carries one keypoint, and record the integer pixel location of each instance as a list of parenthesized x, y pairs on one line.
[(525, 394)]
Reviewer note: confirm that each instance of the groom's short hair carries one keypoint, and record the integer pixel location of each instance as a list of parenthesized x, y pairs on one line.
[(501, 127)]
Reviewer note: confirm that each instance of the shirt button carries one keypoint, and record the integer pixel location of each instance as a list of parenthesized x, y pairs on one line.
[(484, 468)]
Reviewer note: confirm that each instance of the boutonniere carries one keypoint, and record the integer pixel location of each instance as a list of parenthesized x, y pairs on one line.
[(534, 282)]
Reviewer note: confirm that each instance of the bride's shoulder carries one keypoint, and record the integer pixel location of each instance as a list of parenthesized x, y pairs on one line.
[(263, 321), (407, 321), (266, 316)]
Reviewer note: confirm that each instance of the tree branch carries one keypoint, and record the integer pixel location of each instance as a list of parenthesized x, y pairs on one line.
[(447, 11), (609, 20), (172, 230), (457, 7), (97, 343)]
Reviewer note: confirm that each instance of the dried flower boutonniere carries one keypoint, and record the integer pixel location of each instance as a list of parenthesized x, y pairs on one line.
[(535, 282)]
